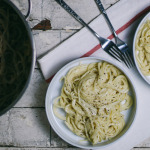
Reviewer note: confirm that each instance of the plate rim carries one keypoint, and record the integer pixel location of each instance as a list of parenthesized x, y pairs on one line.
[(80, 60), (134, 39)]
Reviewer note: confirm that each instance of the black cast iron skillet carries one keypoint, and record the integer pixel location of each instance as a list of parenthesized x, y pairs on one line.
[(11, 92)]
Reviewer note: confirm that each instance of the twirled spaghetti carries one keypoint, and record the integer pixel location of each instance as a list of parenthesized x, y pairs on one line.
[(93, 97), (15, 55), (142, 46)]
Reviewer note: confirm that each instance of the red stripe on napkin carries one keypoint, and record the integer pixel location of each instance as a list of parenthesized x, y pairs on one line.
[(92, 51), (97, 47), (49, 80)]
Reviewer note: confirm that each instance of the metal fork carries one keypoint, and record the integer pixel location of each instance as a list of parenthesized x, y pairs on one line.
[(106, 44), (121, 44)]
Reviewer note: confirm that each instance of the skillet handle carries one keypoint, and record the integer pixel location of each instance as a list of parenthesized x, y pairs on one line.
[(29, 9)]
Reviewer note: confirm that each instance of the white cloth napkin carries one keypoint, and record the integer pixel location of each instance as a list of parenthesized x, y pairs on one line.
[(125, 16)]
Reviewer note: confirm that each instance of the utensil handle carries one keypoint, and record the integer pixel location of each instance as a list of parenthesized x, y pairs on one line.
[(29, 9), (76, 16), (101, 8)]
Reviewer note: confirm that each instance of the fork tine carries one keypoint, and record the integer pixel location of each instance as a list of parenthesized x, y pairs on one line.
[(115, 55), (109, 52), (116, 49), (126, 60), (130, 59)]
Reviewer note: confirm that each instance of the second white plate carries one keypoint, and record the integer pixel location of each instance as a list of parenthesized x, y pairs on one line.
[(146, 78)]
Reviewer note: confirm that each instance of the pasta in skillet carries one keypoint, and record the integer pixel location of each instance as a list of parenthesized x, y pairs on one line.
[(142, 47), (93, 97)]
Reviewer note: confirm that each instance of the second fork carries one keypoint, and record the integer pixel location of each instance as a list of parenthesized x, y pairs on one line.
[(121, 44)]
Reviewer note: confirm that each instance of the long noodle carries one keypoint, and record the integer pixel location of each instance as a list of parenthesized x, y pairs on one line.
[(15, 55), (142, 47), (93, 97)]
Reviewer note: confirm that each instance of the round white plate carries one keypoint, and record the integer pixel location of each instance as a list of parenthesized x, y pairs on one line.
[(146, 78), (54, 90)]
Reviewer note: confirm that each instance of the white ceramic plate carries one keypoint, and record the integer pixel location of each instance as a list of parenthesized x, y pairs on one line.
[(59, 126), (146, 78)]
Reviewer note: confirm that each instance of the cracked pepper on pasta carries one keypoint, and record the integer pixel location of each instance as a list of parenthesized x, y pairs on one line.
[(142, 47), (93, 97)]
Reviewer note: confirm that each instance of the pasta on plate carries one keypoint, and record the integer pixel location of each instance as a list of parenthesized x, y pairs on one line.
[(142, 46), (93, 97)]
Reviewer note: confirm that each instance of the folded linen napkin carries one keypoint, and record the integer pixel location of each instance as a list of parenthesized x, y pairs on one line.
[(125, 16)]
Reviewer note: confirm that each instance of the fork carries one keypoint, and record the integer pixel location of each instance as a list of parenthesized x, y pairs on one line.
[(120, 44), (106, 44)]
